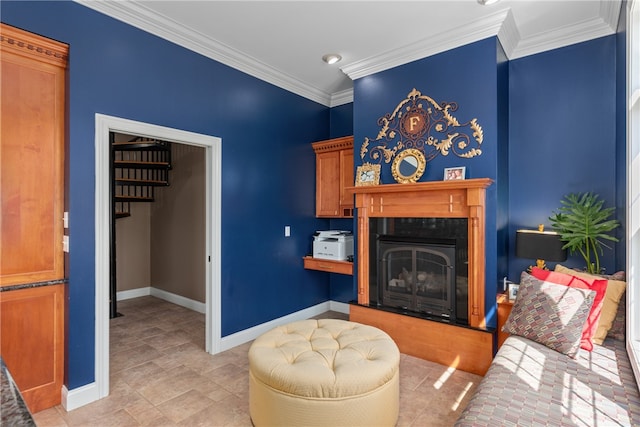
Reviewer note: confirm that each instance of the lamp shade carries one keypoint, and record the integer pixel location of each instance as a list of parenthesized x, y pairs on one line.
[(534, 244)]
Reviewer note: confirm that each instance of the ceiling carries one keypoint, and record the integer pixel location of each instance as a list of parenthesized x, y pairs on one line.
[(282, 42)]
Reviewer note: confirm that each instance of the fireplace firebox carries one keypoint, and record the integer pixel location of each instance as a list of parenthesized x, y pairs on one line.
[(417, 275), (420, 266)]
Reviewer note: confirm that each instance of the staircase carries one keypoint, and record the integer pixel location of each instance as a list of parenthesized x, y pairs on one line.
[(139, 166)]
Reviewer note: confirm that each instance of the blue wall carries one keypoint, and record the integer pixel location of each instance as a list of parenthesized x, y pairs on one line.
[(550, 128), (467, 76), (558, 134), (562, 136), (341, 120), (268, 172)]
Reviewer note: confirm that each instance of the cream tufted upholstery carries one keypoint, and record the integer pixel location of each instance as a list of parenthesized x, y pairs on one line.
[(324, 373)]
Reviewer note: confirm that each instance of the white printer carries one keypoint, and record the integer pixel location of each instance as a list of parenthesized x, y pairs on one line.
[(333, 244)]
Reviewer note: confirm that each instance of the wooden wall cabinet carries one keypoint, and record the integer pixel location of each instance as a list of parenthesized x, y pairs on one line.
[(334, 173), (32, 171), (32, 174)]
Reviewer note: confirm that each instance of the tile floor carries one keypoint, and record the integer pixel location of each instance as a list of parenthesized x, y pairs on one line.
[(160, 375)]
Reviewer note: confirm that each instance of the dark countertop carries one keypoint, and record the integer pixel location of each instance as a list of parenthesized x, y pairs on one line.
[(32, 285), (13, 410)]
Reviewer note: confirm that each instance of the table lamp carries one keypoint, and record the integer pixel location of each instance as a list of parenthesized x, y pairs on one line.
[(540, 245)]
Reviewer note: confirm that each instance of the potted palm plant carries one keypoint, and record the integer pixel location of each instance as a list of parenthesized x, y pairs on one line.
[(584, 224)]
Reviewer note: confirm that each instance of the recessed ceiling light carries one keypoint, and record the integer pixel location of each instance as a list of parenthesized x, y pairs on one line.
[(331, 58), (487, 2)]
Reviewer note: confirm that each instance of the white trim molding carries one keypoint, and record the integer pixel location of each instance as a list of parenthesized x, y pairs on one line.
[(136, 14), (213, 148), (500, 24), (250, 334), (176, 299), (179, 300)]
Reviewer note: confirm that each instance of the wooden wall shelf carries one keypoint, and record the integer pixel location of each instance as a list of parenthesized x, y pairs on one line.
[(330, 266)]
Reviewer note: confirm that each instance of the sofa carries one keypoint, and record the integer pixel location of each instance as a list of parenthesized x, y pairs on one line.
[(536, 381)]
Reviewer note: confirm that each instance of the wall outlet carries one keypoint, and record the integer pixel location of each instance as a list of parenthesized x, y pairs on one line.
[(287, 231)]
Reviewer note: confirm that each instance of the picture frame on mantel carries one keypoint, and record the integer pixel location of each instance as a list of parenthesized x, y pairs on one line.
[(454, 173), (367, 174)]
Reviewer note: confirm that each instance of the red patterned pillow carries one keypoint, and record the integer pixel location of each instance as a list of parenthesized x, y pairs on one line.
[(597, 285), (550, 314)]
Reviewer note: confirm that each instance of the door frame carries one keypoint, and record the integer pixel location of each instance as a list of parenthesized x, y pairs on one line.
[(213, 188)]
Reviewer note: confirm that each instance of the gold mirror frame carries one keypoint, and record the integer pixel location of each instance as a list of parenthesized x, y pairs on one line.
[(404, 156)]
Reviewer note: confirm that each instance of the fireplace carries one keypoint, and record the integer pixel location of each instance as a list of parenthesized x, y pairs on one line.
[(421, 266), (443, 211), (429, 220)]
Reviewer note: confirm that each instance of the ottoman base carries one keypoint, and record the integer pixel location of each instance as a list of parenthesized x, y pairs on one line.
[(269, 407)]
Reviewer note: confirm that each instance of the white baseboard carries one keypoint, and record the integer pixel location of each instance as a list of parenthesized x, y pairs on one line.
[(73, 399), (194, 305), (340, 307), (250, 334), (133, 293)]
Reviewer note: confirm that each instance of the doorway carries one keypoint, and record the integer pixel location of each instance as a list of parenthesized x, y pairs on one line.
[(213, 151)]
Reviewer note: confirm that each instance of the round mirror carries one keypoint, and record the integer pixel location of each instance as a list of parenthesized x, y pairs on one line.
[(408, 166)]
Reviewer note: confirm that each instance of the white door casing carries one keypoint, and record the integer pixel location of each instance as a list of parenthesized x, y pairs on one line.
[(213, 175)]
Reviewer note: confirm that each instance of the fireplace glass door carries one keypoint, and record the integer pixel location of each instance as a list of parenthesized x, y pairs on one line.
[(418, 276)]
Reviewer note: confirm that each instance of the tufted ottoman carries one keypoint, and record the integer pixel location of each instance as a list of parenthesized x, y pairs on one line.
[(324, 373)]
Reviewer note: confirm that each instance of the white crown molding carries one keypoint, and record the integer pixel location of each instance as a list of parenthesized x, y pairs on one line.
[(465, 34), (341, 98), (509, 35), (572, 34), (134, 14), (610, 13), (500, 24)]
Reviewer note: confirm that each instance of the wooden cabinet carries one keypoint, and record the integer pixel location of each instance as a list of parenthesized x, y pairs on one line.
[(334, 173), (32, 342), (32, 273), (504, 309), (32, 160)]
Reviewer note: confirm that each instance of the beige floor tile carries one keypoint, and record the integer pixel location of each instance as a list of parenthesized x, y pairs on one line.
[(49, 418), (161, 376), (172, 384), (185, 405), (153, 418), (131, 357)]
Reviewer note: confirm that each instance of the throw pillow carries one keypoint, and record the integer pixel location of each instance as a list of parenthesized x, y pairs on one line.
[(597, 285), (550, 314), (615, 290), (618, 327)]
